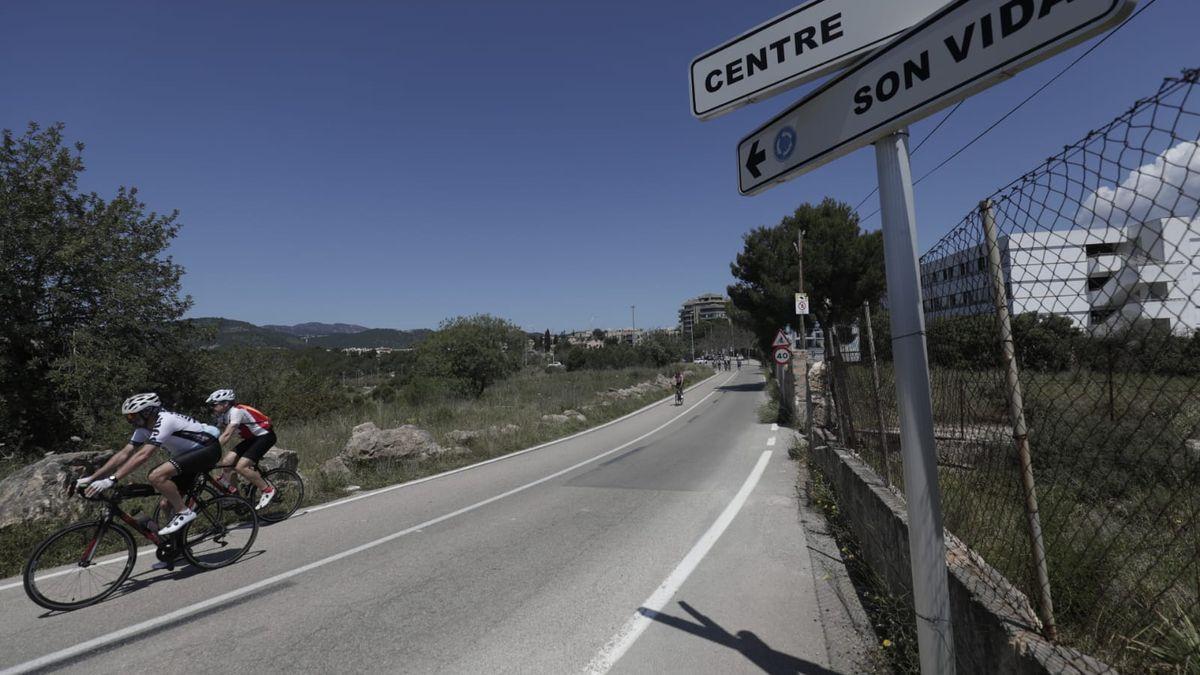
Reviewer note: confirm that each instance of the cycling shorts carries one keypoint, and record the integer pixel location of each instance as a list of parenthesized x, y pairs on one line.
[(255, 447), (192, 463)]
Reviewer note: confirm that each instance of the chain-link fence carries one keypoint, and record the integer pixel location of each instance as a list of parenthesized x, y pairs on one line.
[(1087, 271)]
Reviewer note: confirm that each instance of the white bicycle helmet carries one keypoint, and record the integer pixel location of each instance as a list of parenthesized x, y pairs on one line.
[(220, 396), (139, 402)]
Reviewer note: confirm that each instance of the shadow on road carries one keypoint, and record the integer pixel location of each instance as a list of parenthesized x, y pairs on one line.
[(149, 577), (744, 641), (746, 386)]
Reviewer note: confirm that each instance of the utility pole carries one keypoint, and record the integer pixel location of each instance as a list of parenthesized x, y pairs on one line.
[(633, 323)]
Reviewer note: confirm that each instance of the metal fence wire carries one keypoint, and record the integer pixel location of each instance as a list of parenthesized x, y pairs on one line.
[(1086, 272)]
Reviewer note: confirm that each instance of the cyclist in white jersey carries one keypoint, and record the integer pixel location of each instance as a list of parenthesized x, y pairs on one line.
[(192, 448)]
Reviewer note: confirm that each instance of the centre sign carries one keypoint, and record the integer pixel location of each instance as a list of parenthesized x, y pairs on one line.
[(967, 46), (795, 47)]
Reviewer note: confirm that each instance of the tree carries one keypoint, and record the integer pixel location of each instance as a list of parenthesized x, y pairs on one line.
[(90, 300), (843, 266), (474, 350)]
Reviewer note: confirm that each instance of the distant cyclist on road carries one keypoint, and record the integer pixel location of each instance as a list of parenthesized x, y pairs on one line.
[(678, 386), (191, 446), (257, 438)]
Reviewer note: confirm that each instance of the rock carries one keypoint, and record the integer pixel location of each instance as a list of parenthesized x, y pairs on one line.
[(463, 437), (555, 419), (368, 444), (278, 457), (504, 429), (336, 470), (575, 415), (36, 491)]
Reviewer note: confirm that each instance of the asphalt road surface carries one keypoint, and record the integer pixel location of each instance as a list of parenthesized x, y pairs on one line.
[(668, 541)]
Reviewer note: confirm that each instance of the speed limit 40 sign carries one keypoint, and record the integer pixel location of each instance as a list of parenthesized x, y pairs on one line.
[(782, 355)]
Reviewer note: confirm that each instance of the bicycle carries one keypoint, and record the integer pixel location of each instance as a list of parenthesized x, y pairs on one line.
[(68, 570), (289, 493), (678, 395)]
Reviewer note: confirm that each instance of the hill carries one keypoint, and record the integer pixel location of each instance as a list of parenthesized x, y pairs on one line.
[(230, 333), (316, 328)]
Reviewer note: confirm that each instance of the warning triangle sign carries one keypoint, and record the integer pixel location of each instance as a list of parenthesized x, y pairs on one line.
[(781, 340)]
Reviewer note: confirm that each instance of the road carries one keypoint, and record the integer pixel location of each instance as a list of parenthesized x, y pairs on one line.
[(668, 541)]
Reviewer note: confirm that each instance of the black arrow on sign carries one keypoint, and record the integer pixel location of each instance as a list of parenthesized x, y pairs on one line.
[(756, 157)]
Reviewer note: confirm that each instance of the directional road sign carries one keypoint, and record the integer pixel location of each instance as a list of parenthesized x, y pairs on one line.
[(782, 355), (795, 47), (965, 47)]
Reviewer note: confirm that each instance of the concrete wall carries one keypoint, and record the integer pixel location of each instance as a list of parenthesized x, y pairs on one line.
[(995, 627)]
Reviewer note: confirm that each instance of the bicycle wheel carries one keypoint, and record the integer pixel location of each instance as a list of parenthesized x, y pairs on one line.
[(224, 529), (289, 494), (79, 565), (162, 515)]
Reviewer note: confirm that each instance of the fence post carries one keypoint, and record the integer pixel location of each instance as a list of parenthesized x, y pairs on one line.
[(962, 406), (883, 439), (1016, 413)]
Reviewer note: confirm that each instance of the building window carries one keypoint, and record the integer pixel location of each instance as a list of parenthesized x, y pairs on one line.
[(982, 263), (1094, 250), (1099, 315), (1161, 324), (1159, 290), (1096, 283)]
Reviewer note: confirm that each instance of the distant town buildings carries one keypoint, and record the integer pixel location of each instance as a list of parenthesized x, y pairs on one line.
[(701, 308), (1102, 279)]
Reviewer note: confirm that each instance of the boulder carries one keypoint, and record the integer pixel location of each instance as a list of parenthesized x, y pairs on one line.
[(555, 419), (369, 444), (278, 457), (503, 429), (336, 470), (575, 415), (36, 491)]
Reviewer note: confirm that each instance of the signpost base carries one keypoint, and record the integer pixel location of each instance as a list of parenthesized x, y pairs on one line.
[(926, 544)]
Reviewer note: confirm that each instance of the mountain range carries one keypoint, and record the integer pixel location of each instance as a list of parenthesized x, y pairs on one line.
[(231, 332)]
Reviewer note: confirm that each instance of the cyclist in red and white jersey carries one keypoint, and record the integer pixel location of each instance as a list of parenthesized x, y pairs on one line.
[(257, 438), (192, 448)]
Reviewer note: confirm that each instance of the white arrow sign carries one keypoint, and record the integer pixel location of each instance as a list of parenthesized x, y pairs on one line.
[(795, 47), (964, 48)]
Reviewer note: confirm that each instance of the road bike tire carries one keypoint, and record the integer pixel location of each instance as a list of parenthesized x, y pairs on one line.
[(289, 495), (65, 586), (162, 516), (223, 531)]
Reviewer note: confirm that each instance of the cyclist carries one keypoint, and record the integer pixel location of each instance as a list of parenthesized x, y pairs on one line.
[(257, 438), (192, 448), (678, 386)]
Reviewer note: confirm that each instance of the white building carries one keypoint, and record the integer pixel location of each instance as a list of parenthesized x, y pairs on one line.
[(707, 307), (1100, 278)]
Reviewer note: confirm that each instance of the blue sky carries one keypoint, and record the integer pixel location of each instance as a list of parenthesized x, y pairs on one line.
[(394, 164)]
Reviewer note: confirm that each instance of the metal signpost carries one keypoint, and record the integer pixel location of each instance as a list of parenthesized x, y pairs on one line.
[(961, 49), (795, 47), (967, 46)]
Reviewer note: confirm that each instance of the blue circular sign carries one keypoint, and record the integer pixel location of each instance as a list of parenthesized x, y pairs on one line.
[(785, 143)]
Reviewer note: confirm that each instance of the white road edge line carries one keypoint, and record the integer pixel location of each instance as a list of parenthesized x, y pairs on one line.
[(146, 549), (150, 624), (620, 643), (770, 441)]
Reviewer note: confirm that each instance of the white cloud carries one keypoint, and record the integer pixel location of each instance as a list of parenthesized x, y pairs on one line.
[(1167, 187)]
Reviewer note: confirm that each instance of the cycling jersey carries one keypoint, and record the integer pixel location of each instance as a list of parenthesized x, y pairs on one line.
[(175, 433), (250, 422)]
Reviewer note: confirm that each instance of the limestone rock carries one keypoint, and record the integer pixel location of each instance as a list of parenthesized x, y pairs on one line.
[(335, 469), (369, 444), (36, 491)]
